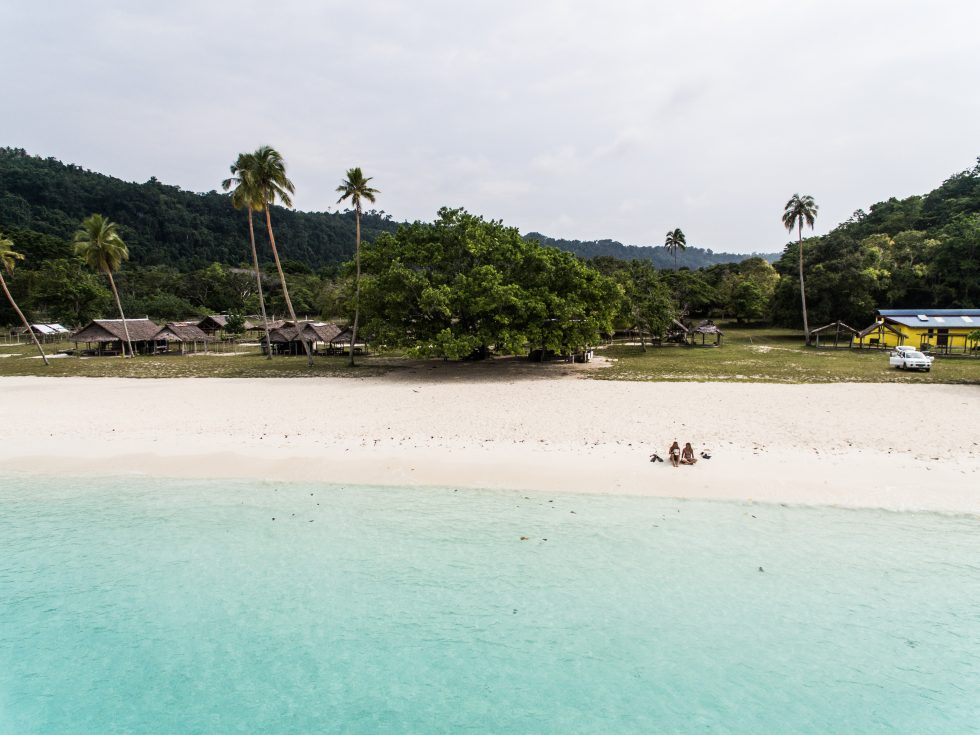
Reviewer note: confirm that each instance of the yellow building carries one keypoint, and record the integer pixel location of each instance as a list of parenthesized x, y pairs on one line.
[(936, 330)]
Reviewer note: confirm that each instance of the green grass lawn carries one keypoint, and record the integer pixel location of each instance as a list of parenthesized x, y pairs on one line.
[(746, 355), (773, 356)]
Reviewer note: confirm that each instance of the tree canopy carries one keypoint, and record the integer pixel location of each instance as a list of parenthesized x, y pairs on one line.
[(463, 286)]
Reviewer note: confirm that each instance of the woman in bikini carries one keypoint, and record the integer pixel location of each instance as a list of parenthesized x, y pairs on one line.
[(687, 456), (675, 454)]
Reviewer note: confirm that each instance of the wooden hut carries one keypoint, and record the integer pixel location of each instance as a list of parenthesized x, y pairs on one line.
[(705, 328), (837, 330), (341, 343), (879, 335), (288, 338), (186, 335), (215, 324), (108, 336), (48, 332)]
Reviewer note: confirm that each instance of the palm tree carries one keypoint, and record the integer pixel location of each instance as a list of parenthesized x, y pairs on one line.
[(675, 241), (798, 210), (9, 258), (355, 187), (267, 173), (247, 195), (98, 243)]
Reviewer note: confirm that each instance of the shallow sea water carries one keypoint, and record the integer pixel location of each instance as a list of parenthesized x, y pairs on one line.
[(147, 606)]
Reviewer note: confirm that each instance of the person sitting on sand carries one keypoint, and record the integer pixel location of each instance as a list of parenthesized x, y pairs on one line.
[(687, 456), (675, 454)]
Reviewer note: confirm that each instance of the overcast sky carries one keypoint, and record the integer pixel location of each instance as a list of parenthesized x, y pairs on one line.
[(583, 120)]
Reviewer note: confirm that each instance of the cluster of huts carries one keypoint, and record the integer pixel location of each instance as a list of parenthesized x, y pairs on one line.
[(108, 336)]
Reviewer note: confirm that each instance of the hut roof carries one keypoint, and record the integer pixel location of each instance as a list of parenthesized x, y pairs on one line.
[(834, 326), (219, 321), (310, 331), (111, 330), (49, 330), (182, 332), (707, 327), (878, 326)]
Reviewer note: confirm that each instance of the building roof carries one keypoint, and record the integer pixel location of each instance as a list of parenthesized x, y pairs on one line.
[(707, 327), (111, 330), (182, 332), (934, 318), (49, 329), (311, 332), (879, 326), (219, 321)]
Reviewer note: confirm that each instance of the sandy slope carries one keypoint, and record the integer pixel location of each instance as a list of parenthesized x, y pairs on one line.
[(889, 446)]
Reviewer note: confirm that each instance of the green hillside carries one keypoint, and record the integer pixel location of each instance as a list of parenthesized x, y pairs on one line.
[(163, 225), (918, 252)]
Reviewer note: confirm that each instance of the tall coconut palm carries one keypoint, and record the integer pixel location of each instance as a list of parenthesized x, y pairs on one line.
[(355, 187), (9, 258), (800, 210), (98, 243), (675, 241), (248, 196), (267, 173)]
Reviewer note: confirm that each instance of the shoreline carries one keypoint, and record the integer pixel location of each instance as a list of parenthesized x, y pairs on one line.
[(835, 445)]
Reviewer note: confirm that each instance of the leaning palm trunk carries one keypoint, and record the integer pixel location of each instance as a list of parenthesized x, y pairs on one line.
[(806, 326), (357, 280), (285, 290), (122, 316), (23, 319), (258, 283)]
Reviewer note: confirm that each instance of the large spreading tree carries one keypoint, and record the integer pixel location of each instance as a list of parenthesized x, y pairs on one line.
[(463, 287)]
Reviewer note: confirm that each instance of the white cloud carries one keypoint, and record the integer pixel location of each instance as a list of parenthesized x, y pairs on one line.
[(635, 116)]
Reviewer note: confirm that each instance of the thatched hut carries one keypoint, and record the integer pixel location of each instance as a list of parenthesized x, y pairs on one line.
[(341, 343), (705, 328), (288, 339), (215, 325), (186, 335), (108, 336)]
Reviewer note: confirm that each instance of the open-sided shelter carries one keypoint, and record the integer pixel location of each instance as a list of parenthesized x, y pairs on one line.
[(108, 336), (186, 336), (705, 328)]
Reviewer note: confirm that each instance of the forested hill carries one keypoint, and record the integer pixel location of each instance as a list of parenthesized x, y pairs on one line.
[(165, 225), (692, 257), (918, 252), (161, 224)]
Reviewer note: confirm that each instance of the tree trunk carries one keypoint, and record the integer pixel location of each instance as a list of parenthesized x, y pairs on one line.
[(285, 290), (357, 280), (806, 326), (122, 316), (23, 319), (258, 282)]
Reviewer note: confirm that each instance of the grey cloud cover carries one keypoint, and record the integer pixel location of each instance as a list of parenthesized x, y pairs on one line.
[(584, 120)]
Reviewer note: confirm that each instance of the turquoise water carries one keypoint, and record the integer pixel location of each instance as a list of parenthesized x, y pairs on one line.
[(183, 607)]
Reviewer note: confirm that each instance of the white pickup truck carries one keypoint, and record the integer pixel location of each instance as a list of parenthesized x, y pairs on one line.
[(908, 358)]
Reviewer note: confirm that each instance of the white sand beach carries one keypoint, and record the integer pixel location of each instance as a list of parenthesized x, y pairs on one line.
[(901, 447)]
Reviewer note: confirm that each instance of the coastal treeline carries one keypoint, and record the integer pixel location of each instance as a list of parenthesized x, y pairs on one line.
[(460, 285)]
